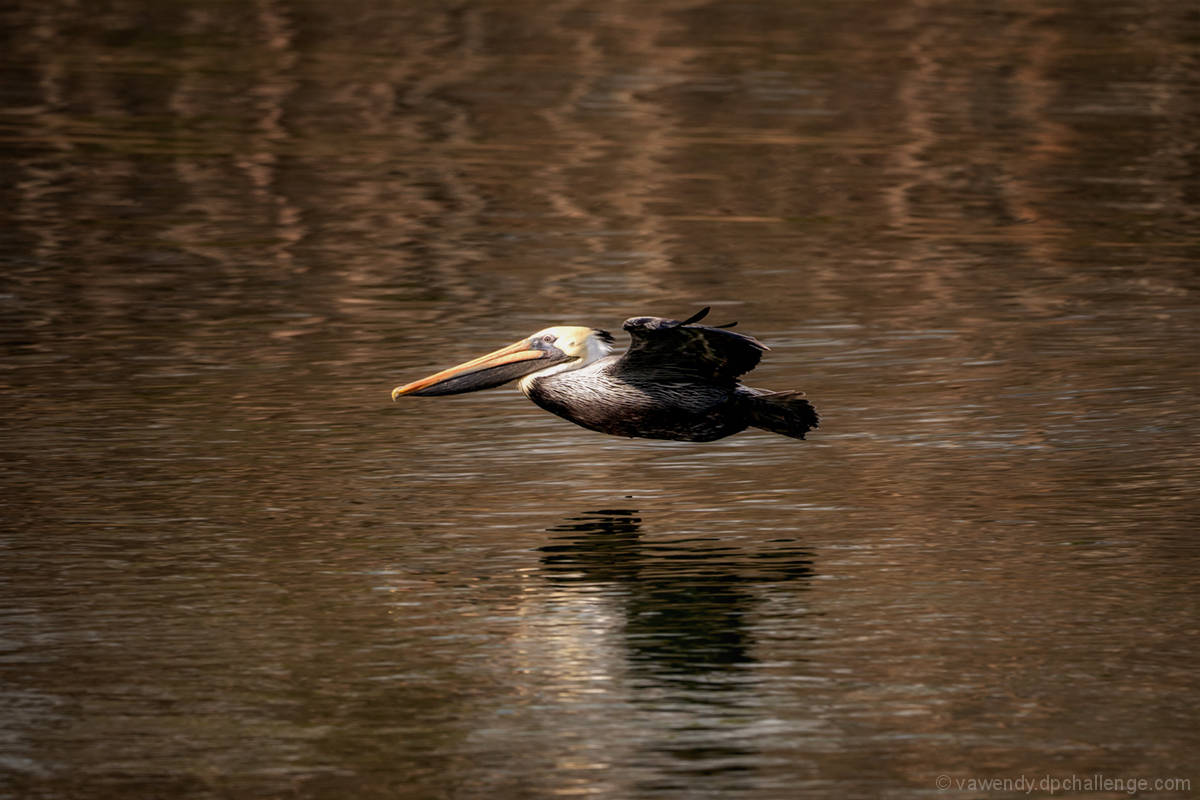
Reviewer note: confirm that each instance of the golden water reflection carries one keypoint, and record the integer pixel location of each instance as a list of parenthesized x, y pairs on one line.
[(233, 567)]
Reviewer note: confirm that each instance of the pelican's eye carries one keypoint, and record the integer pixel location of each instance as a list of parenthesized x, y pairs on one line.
[(549, 338)]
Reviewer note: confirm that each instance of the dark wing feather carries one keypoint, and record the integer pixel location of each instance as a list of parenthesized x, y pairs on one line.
[(667, 349)]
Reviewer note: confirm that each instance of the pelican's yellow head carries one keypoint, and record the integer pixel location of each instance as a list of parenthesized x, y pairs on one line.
[(585, 344)]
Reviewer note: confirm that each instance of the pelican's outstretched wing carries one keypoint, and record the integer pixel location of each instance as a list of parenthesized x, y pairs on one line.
[(665, 349)]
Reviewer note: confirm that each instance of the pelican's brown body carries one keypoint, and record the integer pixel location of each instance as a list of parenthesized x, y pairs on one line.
[(678, 380)]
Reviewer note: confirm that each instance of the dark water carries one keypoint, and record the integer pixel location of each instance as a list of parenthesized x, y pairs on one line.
[(233, 568)]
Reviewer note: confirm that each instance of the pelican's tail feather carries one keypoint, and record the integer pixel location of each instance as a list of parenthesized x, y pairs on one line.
[(786, 413)]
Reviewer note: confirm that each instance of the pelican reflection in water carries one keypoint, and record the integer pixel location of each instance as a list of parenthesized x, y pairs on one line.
[(677, 380)]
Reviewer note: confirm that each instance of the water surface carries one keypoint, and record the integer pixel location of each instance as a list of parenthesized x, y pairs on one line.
[(233, 568)]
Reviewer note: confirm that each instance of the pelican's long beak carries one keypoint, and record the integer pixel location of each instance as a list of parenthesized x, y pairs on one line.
[(494, 369)]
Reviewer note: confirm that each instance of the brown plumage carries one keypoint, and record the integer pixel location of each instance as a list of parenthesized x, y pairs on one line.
[(677, 380)]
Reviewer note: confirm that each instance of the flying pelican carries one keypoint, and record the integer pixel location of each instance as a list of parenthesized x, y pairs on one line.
[(677, 380)]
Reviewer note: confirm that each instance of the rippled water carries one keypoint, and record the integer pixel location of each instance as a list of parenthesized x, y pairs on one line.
[(233, 568)]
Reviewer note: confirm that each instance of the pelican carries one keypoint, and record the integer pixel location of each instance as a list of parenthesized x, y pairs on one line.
[(677, 380)]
